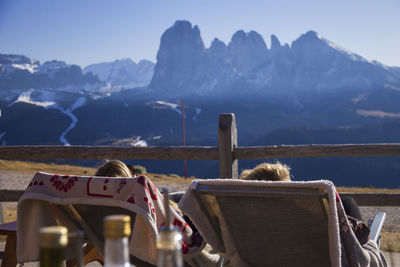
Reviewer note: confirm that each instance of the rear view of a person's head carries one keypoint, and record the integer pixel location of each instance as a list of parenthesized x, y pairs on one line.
[(351, 208), (114, 168), (267, 172)]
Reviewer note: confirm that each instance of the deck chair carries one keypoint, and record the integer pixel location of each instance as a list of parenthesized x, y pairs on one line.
[(81, 203), (261, 223), (376, 227)]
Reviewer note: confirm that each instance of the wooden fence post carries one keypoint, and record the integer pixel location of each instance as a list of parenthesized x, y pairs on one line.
[(227, 140)]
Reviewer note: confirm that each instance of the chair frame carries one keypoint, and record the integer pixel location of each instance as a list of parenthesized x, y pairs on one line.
[(376, 227), (202, 190)]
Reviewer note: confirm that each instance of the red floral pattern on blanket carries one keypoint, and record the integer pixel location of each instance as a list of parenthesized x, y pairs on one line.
[(35, 183), (150, 187), (121, 185), (63, 183), (131, 199), (96, 189)]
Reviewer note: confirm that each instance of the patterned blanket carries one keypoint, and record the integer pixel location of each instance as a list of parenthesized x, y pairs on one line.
[(138, 195)]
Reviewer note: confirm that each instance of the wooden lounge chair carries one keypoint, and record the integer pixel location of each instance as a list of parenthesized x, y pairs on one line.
[(259, 223), (81, 202), (9, 258)]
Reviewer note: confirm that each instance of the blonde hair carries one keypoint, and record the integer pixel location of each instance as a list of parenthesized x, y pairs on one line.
[(114, 168), (268, 172)]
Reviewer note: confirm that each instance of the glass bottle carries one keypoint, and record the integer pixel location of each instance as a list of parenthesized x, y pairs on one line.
[(75, 245), (117, 229), (169, 246), (53, 240)]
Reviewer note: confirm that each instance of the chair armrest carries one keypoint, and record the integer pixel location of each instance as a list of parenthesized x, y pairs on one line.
[(376, 226)]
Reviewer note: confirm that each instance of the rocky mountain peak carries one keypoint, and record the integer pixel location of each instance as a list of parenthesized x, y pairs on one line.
[(250, 40), (181, 52), (308, 39), (123, 72), (16, 59), (247, 51), (238, 38), (52, 66), (275, 44), (217, 48), (217, 44), (187, 35)]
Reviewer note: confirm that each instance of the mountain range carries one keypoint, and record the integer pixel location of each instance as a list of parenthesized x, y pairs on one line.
[(311, 66), (312, 91), (124, 72)]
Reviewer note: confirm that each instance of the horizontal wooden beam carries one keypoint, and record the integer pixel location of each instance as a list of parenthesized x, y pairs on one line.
[(379, 200), (372, 199), (196, 152), (316, 151), (10, 195), (108, 152)]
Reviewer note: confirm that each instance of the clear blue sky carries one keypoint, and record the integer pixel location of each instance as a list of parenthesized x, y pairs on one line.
[(90, 31)]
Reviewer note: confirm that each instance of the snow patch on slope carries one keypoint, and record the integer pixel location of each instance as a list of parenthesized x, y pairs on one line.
[(78, 103), (177, 108), (29, 67), (198, 111), (25, 97), (377, 114), (173, 106)]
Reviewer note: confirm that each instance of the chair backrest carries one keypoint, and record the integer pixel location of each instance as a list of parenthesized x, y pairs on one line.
[(266, 223), (81, 202), (89, 219)]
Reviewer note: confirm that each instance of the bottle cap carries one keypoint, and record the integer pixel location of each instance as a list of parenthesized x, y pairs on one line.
[(53, 237), (169, 239), (117, 226)]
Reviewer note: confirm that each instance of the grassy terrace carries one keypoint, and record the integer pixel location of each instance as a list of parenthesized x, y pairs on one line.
[(390, 233)]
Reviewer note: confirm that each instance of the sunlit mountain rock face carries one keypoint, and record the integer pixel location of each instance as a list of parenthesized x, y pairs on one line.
[(310, 66)]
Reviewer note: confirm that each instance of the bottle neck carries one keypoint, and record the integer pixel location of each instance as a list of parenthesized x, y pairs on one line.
[(169, 249), (51, 257), (116, 252)]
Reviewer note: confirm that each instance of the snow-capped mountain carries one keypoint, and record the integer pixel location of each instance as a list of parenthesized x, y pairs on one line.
[(19, 72), (125, 72), (245, 66), (11, 63)]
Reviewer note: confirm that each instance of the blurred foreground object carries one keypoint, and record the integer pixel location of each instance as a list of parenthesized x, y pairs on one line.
[(169, 241), (53, 241), (117, 229)]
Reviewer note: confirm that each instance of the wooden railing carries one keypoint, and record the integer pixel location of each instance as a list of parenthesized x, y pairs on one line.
[(227, 153)]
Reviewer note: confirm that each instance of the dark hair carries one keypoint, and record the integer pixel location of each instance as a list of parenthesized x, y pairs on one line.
[(131, 168), (351, 208)]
